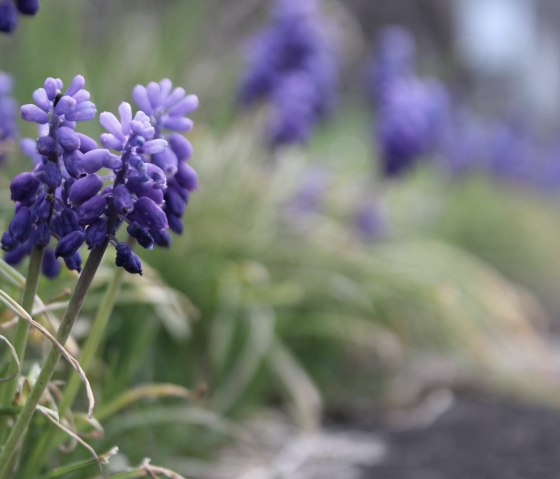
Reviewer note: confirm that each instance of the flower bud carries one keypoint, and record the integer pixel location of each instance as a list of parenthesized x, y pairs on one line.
[(53, 176), (175, 224), (51, 266), (174, 202), (20, 226), (84, 188), (122, 199), (46, 145), (161, 238), (24, 186), (42, 235), (96, 233), (149, 215), (186, 176), (68, 139), (180, 146), (68, 245), (141, 235), (27, 7), (127, 259), (73, 262), (91, 210), (34, 114)]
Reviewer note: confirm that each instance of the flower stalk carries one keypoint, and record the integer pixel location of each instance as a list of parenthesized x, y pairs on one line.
[(21, 425), (86, 356), (22, 328)]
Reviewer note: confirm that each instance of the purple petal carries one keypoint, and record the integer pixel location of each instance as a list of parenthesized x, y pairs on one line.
[(65, 105), (111, 124), (84, 111), (51, 87), (187, 105), (149, 215), (180, 146), (80, 96), (175, 96), (125, 112), (34, 114), (154, 146), (92, 161), (140, 97), (165, 87), (153, 94), (186, 176), (177, 123), (113, 162), (109, 141), (68, 139), (76, 85), (41, 99), (87, 143), (84, 188)]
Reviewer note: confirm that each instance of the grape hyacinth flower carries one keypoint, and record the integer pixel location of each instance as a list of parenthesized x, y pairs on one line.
[(291, 66), (42, 202), (411, 111), (8, 127), (151, 179), (167, 108), (9, 10)]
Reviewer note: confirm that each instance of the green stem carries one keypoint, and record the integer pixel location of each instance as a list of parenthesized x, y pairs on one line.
[(22, 423), (94, 338), (31, 282), (86, 356), (22, 328)]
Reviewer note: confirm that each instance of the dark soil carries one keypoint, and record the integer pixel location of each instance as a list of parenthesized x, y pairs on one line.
[(476, 439)]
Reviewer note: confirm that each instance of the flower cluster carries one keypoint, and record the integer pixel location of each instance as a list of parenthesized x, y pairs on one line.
[(8, 127), (292, 66), (81, 193), (9, 10), (42, 208), (167, 107), (410, 110)]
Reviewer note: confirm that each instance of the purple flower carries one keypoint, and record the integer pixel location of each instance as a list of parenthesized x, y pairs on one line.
[(291, 65), (168, 107), (8, 16), (136, 193), (8, 111), (411, 112), (127, 259), (45, 196), (51, 104), (27, 7)]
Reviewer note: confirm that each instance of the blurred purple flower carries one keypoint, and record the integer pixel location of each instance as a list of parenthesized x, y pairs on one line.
[(9, 10), (8, 112), (291, 65), (167, 108), (411, 112), (42, 209)]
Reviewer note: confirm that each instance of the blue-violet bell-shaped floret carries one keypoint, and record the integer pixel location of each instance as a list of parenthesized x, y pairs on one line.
[(127, 259)]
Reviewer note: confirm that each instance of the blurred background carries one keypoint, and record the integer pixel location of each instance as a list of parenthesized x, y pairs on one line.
[(376, 234)]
